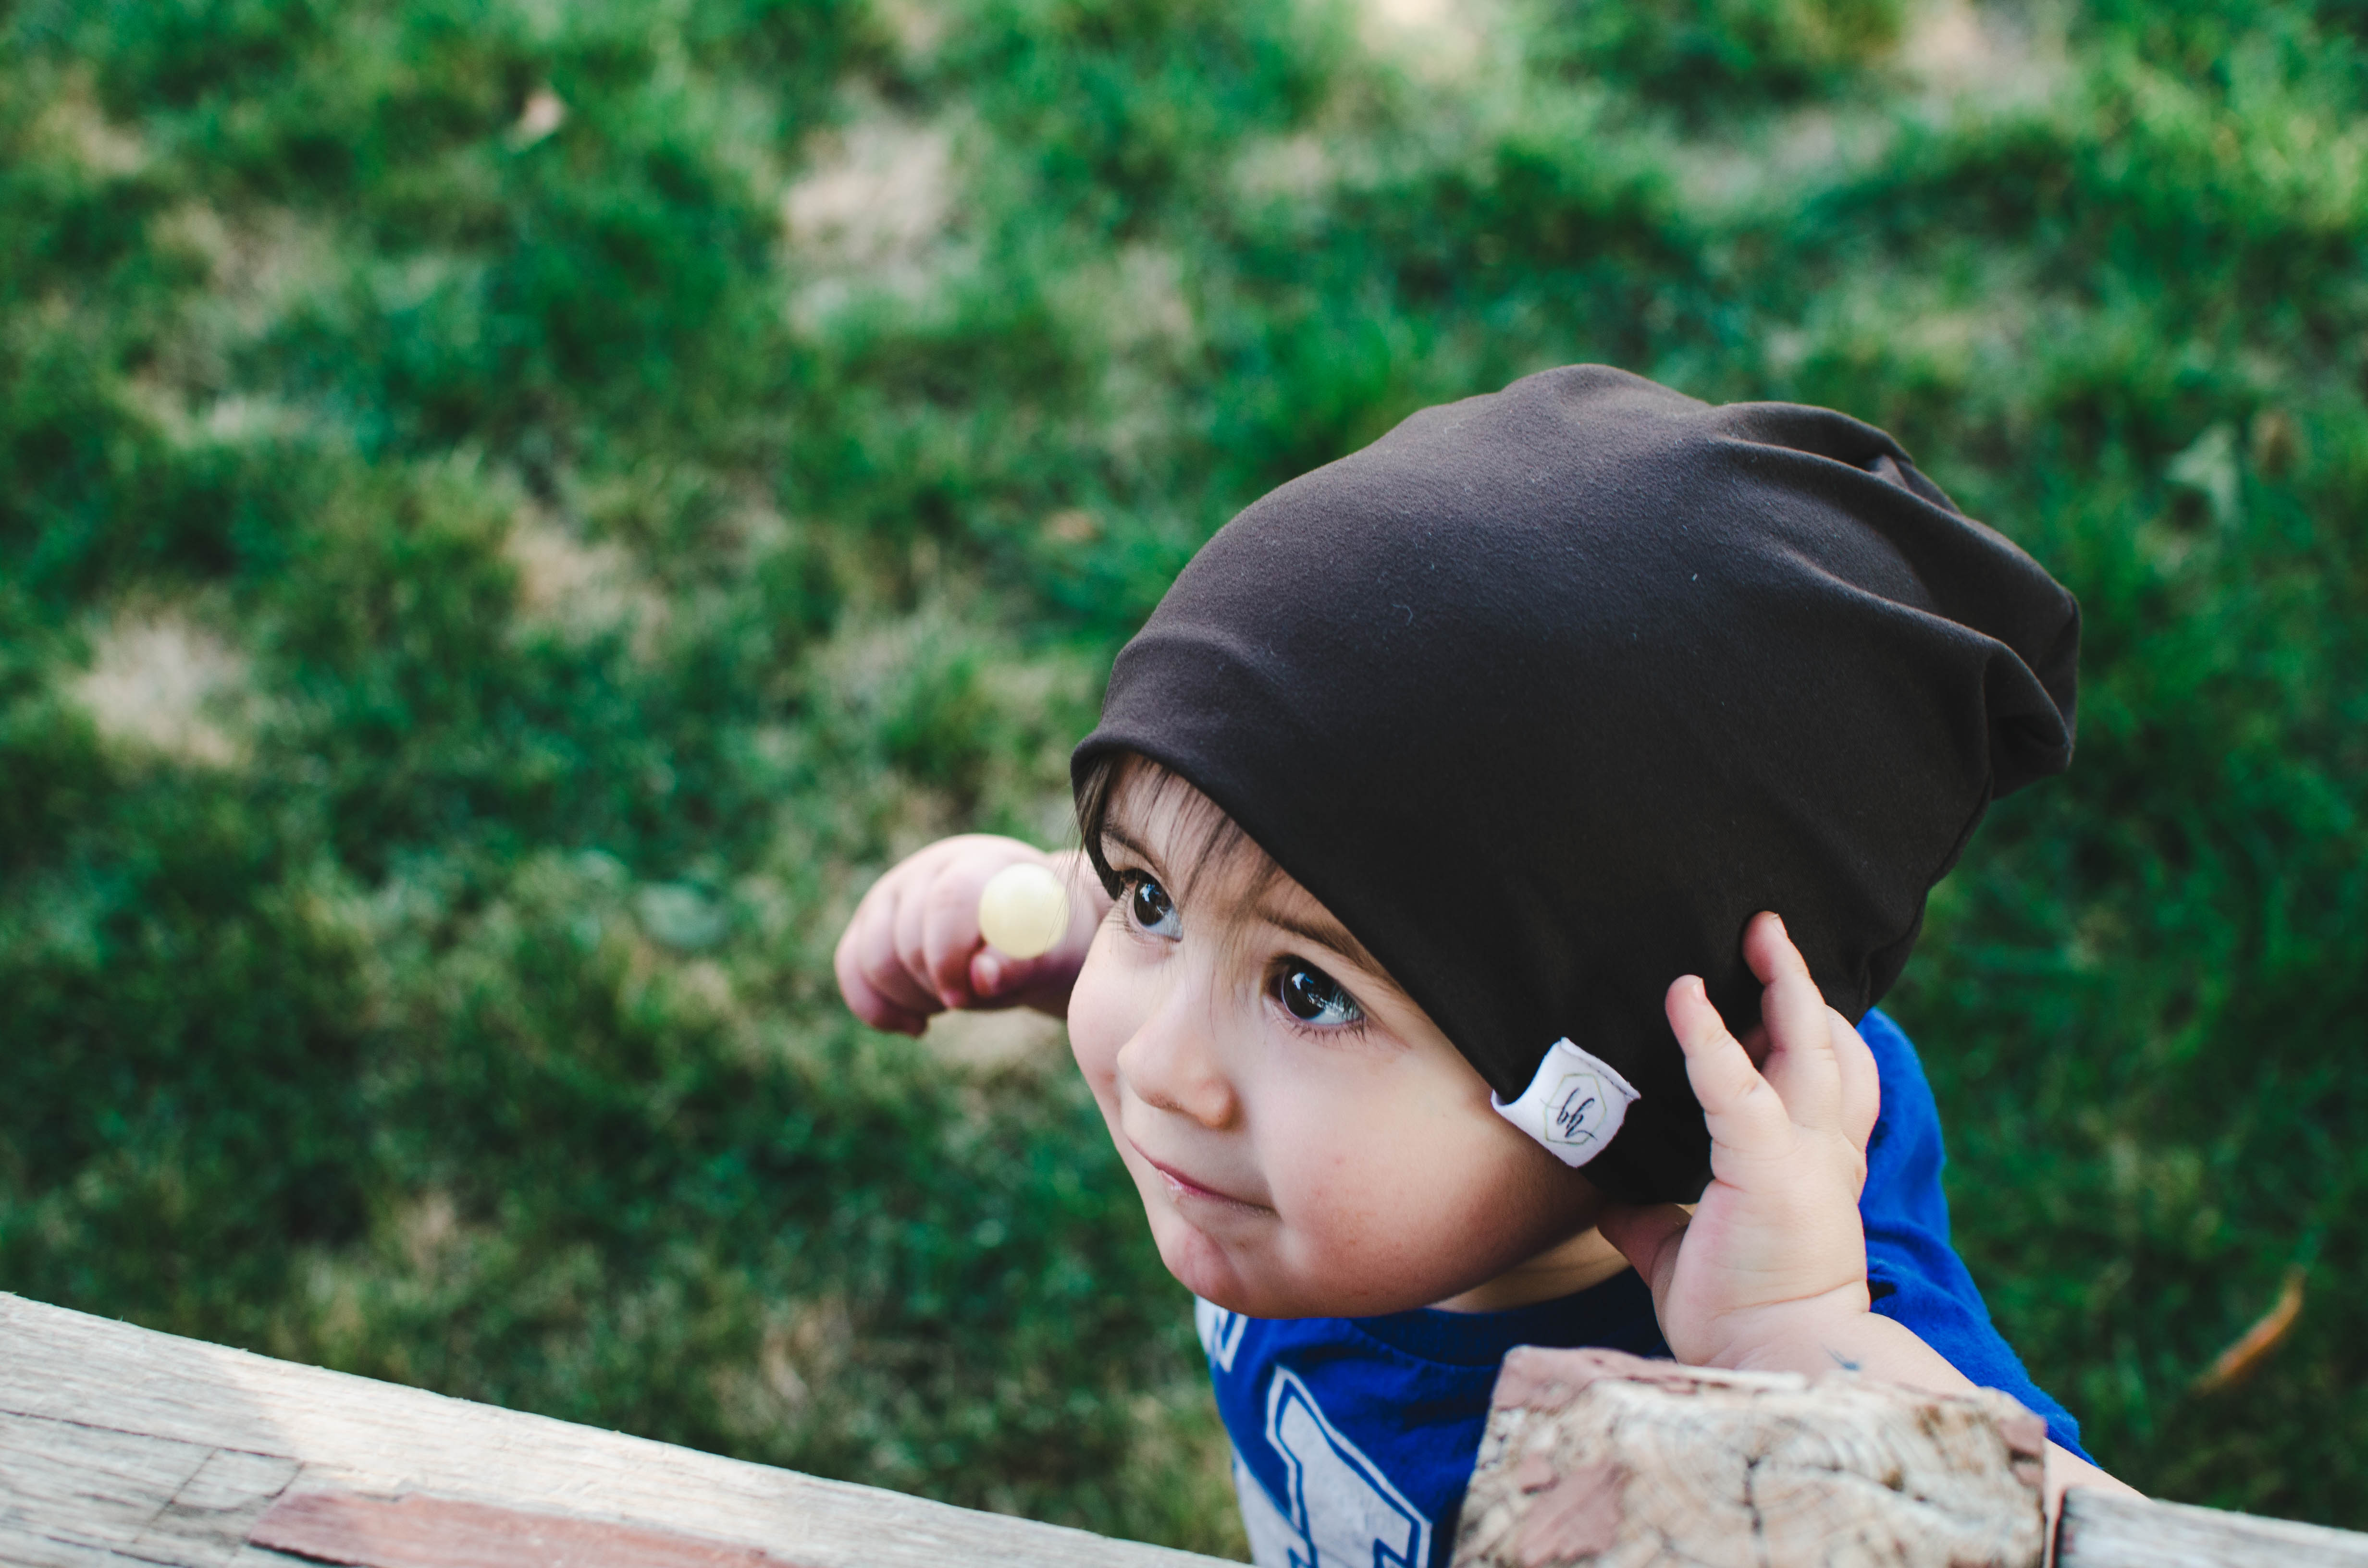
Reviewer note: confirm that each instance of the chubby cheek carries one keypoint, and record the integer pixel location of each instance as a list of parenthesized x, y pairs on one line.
[(1109, 1004), (1432, 1203), (1393, 1184), (1103, 1013), (1364, 1235), (1106, 1007)]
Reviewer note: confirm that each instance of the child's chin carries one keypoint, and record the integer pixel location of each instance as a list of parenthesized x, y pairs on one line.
[(1204, 1268), (1232, 1278), (1199, 1264)]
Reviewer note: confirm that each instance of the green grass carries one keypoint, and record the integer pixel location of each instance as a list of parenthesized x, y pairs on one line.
[(592, 578)]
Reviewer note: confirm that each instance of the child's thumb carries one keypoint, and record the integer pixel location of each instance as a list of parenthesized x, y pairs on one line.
[(992, 974), (997, 976)]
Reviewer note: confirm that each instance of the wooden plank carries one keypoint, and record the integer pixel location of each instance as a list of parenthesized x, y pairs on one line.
[(419, 1531), (2102, 1529), (121, 1445), (207, 1520), (71, 1492)]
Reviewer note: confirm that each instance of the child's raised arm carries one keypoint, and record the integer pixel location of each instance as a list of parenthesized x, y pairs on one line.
[(914, 947), (1768, 1271)]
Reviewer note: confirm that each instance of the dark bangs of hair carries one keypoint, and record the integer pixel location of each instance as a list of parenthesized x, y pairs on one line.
[(1215, 840)]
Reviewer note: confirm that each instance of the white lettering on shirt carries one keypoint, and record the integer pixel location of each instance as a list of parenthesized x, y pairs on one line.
[(1220, 1330), (1341, 1510)]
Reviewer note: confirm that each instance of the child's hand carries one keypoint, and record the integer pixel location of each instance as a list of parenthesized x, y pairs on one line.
[(1769, 1274), (914, 947), (1770, 1269)]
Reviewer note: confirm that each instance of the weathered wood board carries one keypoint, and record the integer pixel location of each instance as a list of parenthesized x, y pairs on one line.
[(122, 1446), (2102, 1531), (119, 1445)]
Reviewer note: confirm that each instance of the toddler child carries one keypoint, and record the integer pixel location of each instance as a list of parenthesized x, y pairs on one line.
[(1449, 807)]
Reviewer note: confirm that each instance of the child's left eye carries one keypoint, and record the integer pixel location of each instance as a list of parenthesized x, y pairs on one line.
[(1148, 903), (1314, 997)]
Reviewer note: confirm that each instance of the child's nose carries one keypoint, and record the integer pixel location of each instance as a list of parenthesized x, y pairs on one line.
[(1169, 1064)]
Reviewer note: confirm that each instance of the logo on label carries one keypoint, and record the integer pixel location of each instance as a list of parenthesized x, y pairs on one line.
[(1574, 1105), (1575, 1111)]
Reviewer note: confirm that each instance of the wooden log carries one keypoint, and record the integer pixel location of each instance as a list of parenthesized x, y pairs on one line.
[(1595, 1457), (121, 1446), (2100, 1529)]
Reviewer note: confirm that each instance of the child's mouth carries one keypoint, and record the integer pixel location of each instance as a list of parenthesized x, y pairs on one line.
[(1181, 1186)]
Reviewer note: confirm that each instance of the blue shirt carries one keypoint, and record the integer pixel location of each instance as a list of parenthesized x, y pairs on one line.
[(1354, 1438)]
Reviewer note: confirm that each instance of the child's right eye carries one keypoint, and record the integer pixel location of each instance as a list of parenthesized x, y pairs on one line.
[(1150, 907), (1314, 997)]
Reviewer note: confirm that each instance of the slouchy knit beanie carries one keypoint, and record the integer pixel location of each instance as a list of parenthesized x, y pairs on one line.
[(1546, 693)]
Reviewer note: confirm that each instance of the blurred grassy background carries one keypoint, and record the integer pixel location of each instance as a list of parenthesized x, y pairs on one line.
[(512, 513)]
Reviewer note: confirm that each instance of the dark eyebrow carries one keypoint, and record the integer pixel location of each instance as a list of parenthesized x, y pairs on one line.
[(1324, 932), (1319, 928), (1114, 834)]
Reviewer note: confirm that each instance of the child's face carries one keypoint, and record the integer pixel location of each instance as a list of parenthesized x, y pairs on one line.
[(1306, 1141)]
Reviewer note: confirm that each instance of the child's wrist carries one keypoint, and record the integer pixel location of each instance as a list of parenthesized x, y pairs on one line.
[(1810, 1334), (1826, 1336)]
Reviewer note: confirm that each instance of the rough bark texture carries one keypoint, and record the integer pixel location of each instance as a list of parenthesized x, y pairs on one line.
[(1593, 1457)]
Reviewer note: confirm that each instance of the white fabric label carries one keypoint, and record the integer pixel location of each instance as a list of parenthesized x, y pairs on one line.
[(1574, 1105)]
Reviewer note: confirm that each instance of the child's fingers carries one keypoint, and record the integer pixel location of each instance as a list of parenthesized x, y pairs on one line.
[(999, 979), (913, 948), (950, 936), (1744, 1111), (882, 953), (1862, 1083), (996, 976), (877, 1010), (884, 967), (910, 927), (875, 984), (1800, 1061)]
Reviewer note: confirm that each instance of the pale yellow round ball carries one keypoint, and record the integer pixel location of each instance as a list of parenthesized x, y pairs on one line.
[(1023, 910)]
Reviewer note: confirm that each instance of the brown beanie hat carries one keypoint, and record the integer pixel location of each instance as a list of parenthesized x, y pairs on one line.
[(1546, 693)]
